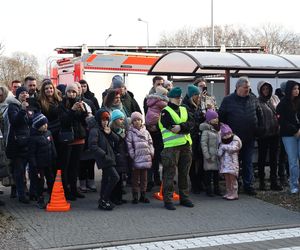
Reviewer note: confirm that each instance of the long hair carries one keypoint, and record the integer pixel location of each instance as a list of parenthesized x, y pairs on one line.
[(44, 100), (109, 98)]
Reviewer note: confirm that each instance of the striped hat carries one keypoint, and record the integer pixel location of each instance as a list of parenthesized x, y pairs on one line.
[(39, 120)]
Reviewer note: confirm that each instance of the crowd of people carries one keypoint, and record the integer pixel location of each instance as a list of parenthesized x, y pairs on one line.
[(64, 127)]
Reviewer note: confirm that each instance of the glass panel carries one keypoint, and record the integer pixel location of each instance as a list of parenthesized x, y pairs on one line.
[(175, 62), (294, 59), (265, 60), (215, 59), (210, 71)]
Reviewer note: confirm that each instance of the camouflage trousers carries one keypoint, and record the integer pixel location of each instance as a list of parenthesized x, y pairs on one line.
[(180, 157)]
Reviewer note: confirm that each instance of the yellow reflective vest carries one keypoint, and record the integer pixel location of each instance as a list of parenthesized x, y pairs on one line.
[(171, 139)]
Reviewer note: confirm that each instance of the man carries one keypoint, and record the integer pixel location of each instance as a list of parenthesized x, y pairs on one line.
[(207, 101), (88, 94), (15, 84), (175, 125), (31, 86), (191, 101), (241, 111), (156, 81)]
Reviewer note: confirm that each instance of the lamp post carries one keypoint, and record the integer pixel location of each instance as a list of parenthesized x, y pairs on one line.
[(107, 38), (147, 23)]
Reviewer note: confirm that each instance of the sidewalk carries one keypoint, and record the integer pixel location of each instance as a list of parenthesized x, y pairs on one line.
[(85, 226)]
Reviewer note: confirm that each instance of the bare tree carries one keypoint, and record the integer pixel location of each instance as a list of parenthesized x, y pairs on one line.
[(18, 67), (1, 48)]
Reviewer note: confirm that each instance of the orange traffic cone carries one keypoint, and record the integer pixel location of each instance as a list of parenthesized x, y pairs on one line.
[(159, 195), (58, 201)]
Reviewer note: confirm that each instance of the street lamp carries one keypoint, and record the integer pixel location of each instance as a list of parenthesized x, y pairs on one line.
[(107, 38), (146, 22)]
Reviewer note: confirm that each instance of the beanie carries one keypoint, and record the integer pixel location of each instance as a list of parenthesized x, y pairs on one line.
[(102, 114), (62, 88), (116, 114), (175, 92), (117, 82), (225, 130), (39, 120), (72, 86), (192, 90), (20, 90), (210, 115), (136, 115), (161, 90)]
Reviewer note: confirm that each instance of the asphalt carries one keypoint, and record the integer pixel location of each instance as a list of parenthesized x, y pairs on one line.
[(85, 226)]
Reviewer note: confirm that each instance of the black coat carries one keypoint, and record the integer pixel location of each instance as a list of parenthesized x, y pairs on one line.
[(19, 132), (42, 152), (101, 144), (242, 114)]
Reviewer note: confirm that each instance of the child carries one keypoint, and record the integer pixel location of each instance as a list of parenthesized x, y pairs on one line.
[(122, 158), (228, 151), (209, 143), (100, 142), (42, 155), (141, 151)]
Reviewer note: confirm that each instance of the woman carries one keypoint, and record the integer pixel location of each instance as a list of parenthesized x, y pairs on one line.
[(72, 114), (289, 119)]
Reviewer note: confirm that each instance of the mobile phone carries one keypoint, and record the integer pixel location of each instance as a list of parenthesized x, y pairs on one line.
[(204, 89)]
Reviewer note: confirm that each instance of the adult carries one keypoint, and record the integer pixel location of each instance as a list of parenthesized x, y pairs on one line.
[(168, 85), (31, 86), (192, 102), (241, 111), (18, 137), (15, 84), (72, 115), (88, 94), (207, 101), (175, 125), (269, 141), (289, 120), (156, 81)]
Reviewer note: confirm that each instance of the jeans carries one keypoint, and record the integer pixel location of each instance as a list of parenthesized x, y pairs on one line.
[(19, 165), (246, 154), (292, 148), (110, 178)]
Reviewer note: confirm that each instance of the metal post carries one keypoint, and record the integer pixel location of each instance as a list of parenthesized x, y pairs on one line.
[(147, 23), (212, 24)]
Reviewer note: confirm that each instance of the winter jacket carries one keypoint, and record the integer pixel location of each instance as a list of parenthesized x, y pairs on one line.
[(289, 116), (101, 144), (129, 103), (268, 106), (242, 114), (229, 156), (155, 104), (52, 115), (19, 132), (42, 152), (91, 96), (72, 119), (210, 139), (140, 147)]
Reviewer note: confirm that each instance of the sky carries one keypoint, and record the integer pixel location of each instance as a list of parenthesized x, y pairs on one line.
[(39, 26)]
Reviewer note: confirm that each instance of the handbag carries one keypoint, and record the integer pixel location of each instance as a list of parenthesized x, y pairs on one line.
[(66, 136)]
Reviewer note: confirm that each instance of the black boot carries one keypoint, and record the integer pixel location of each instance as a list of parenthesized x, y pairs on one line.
[(143, 198), (209, 191), (13, 191), (262, 185), (135, 196), (275, 187), (217, 191)]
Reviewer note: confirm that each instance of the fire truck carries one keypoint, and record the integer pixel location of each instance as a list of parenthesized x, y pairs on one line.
[(99, 67)]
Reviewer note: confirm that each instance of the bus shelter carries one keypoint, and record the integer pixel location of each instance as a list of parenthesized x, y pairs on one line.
[(227, 65)]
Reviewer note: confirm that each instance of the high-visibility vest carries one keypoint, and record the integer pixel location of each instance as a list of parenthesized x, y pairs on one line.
[(171, 139)]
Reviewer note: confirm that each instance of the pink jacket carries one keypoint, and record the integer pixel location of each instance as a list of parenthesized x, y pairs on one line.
[(140, 147), (229, 154), (155, 104)]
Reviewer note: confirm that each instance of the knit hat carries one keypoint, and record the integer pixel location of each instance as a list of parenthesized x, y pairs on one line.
[(62, 88), (116, 114), (117, 82), (101, 114), (175, 92), (225, 130), (192, 90), (72, 86), (20, 90), (161, 90), (136, 115), (39, 120), (210, 115)]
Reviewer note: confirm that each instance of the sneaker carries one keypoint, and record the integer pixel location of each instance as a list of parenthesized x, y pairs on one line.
[(105, 205), (232, 198), (186, 203), (294, 191), (170, 206), (250, 191), (23, 200)]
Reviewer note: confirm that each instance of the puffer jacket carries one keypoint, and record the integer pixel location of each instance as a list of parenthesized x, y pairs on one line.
[(268, 106), (155, 104), (101, 145), (210, 139), (140, 147), (229, 156)]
